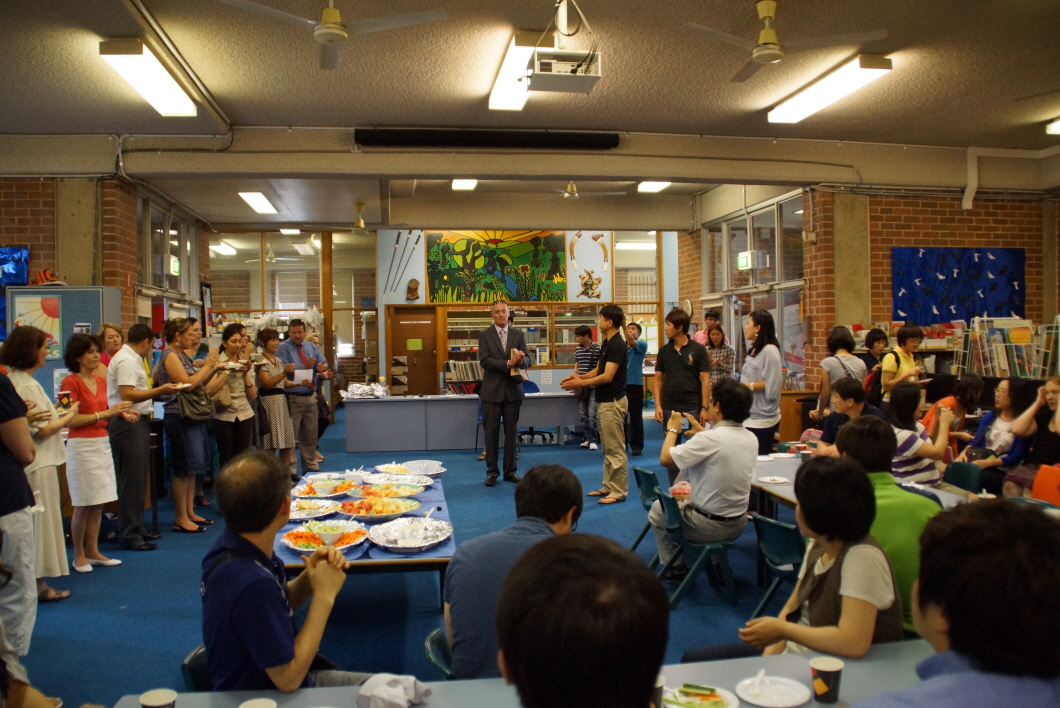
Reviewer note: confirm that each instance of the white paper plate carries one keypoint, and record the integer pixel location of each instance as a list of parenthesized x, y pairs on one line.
[(774, 692), (323, 508), (764, 458), (732, 700), (406, 490), (419, 480), (348, 523), (782, 455), (774, 480), (301, 491)]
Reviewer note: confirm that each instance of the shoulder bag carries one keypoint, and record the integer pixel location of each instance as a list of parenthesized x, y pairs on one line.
[(195, 405)]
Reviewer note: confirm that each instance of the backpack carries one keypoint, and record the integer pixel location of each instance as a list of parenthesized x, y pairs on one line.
[(874, 382)]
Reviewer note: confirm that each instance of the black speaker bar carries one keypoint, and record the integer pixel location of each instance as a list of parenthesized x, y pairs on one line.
[(449, 138)]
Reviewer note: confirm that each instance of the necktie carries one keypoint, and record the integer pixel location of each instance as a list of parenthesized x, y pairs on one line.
[(504, 340), (301, 355)]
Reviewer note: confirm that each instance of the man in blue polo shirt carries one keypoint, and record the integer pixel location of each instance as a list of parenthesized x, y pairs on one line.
[(301, 400), (548, 503), (252, 641), (636, 349)]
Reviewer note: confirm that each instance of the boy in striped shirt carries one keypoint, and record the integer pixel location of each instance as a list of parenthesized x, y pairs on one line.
[(587, 355)]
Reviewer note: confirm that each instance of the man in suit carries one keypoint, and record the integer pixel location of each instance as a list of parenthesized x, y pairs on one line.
[(502, 353)]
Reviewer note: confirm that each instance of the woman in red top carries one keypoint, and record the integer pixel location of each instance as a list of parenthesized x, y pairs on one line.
[(113, 339), (89, 465)]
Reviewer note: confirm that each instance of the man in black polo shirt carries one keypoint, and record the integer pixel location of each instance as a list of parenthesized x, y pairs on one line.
[(609, 380), (848, 398), (682, 373)]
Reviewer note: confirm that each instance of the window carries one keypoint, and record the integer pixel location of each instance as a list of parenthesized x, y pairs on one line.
[(167, 249), (159, 249), (714, 260), (791, 239), (737, 231), (764, 231)]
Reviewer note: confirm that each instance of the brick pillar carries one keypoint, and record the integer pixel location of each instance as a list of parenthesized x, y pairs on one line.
[(27, 218), (819, 269), (690, 271), (120, 242)]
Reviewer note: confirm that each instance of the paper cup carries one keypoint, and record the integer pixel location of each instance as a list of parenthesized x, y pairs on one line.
[(64, 399), (657, 694), (826, 672), (158, 698)]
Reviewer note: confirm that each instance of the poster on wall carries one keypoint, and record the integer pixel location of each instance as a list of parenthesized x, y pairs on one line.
[(483, 266), (589, 266), (44, 313), (932, 285)]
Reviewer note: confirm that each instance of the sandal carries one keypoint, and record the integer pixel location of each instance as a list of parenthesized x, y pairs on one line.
[(201, 500), (50, 594), (482, 456), (611, 500), (601, 492)]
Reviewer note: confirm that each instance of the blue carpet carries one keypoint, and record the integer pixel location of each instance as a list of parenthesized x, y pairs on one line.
[(125, 630)]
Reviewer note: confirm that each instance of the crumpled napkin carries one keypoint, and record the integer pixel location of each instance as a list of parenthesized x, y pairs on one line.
[(391, 691)]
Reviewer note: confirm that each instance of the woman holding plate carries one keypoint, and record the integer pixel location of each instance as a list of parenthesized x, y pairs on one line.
[(272, 380), (233, 427)]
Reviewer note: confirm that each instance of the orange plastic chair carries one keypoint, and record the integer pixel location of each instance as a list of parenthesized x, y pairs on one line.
[(1047, 485)]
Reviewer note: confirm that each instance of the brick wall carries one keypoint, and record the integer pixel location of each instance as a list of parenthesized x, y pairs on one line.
[(202, 255), (351, 367), (819, 271), (27, 218), (690, 271), (120, 243), (231, 289)]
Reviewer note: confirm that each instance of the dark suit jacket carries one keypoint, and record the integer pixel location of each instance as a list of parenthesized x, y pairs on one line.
[(497, 382)]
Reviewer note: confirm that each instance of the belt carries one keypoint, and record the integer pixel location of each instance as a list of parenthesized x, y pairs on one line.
[(300, 394), (271, 392), (715, 517)]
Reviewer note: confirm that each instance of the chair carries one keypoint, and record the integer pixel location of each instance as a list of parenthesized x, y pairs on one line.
[(196, 672), (782, 548), (1047, 485), (1030, 501), (965, 475), (436, 646), (697, 555), (479, 427), (648, 486), (530, 433)]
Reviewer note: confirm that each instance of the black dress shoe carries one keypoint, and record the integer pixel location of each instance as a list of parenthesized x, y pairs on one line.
[(675, 574), (151, 536), (491, 480), (513, 478), (636, 453), (145, 546)]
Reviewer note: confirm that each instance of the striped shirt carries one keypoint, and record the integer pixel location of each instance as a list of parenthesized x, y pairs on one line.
[(907, 465), (587, 357)]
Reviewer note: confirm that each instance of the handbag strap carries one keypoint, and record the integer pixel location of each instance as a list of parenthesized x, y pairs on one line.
[(844, 366)]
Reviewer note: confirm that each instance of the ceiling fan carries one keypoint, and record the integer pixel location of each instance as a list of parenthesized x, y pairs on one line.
[(358, 226), (768, 50), (270, 256), (571, 192), (331, 33)]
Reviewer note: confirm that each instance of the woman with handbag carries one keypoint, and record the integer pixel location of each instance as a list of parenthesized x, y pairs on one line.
[(272, 380), (186, 415), (838, 364), (233, 423), (995, 445)]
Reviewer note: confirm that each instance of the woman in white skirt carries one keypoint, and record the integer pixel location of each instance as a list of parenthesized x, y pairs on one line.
[(89, 465), (25, 350)]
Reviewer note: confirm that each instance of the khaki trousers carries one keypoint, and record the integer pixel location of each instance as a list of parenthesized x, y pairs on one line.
[(612, 418), (304, 415)]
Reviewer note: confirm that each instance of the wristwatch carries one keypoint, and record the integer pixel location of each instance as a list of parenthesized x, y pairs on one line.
[(673, 430)]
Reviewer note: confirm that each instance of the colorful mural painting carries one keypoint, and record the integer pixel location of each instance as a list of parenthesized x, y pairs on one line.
[(483, 266)]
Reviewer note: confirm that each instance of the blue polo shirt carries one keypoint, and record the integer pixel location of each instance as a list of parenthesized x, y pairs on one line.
[(473, 585), (247, 622), (288, 354), (635, 363), (948, 680)]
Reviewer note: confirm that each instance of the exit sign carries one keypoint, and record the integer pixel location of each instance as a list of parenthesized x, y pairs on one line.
[(745, 260), (174, 265)]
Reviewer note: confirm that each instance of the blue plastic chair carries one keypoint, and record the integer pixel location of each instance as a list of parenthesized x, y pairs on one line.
[(196, 672), (782, 548), (1031, 501), (696, 555), (648, 486), (964, 475), (529, 433), (436, 646)]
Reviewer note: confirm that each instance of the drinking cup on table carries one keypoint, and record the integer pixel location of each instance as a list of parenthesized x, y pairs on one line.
[(159, 698), (826, 672), (258, 703), (657, 694)]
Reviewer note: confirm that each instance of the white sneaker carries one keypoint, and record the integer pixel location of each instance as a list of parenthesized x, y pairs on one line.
[(585, 443), (593, 446)]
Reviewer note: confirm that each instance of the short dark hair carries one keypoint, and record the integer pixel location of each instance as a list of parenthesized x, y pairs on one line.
[(875, 334), (679, 319), (138, 333), (582, 621), (613, 313), (249, 491), (733, 400), (869, 441), (712, 314), (296, 323), (908, 331), (905, 401), (848, 388), (993, 568), (836, 498), (230, 330), (639, 328), (968, 390), (267, 335), (548, 492), (583, 331), (840, 338), (21, 347), (77, 346), (1022, 393)]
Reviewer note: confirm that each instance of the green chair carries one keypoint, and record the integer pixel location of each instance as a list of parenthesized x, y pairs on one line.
[(696, 555), (648, 486), (964, 475), (436, 646), (1031, 501), (782, 548), (196, 672)]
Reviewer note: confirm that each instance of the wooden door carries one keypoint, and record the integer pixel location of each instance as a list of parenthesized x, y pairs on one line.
[(414, 336)]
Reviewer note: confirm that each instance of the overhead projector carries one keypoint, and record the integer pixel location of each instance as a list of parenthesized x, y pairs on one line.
[(565, 71)]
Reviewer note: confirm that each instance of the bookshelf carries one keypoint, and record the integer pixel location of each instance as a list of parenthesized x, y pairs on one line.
[(568, 319), (1010, 346)]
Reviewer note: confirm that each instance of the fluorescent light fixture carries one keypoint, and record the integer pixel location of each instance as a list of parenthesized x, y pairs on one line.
[(464, 185), (635, 246), (858, 72), (173, 232), (222, 249), (316, 242), (258, 202), (652, 187), (797, 212), (175, 243), (139, 66), (511, 88), (290, 232), (1053, 128), (304, 249)]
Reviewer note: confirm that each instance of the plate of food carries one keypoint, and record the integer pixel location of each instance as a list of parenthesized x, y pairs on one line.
[(328, 477), (764, 458), (774, 480), (691, 695), (384, 478), (322, 489), (317, 534), (782, 455), (391, 468), (386, 490), (312, 508), (430, 468), (410, 534), (378, 509)]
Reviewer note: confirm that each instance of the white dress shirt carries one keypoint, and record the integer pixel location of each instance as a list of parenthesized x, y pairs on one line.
[(127, 369)]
